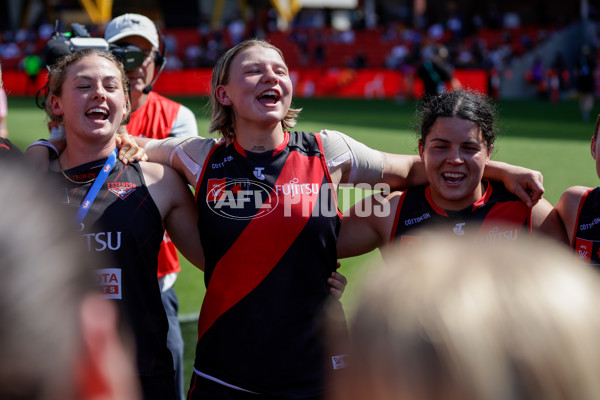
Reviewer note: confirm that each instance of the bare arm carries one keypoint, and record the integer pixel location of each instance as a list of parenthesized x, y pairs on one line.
[(350, 161), (525, 183), (367, 225), (568, 207), (403, 171), (176, 205), (547, 221)]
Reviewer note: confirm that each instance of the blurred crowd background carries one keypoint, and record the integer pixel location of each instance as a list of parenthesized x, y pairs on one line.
[(535, 49)]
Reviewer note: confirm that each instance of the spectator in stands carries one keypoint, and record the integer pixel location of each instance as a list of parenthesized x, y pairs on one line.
[(536, 76), (32, 64), (585, 81), (436, 72), (493, 322), (562, 70), (157, 117)]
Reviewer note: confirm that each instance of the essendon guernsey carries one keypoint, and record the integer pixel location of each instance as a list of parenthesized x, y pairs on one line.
[(269, 226), (124, 227), (497, 216), (586, 241)]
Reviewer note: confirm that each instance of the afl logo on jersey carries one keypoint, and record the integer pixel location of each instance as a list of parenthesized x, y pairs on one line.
[(240, 199)]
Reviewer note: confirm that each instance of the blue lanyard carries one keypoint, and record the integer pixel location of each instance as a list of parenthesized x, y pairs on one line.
[(95, 189)]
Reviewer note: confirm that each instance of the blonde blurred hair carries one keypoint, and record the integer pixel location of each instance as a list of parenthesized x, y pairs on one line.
[(454, 320), (222, 117)]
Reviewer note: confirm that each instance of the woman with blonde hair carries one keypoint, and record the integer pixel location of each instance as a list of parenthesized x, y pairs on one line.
[(457, 321)]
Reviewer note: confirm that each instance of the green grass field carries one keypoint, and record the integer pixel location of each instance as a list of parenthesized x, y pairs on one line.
[(535, 134)]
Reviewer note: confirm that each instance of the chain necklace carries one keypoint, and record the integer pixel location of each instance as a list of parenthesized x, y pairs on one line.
[(71, 180)]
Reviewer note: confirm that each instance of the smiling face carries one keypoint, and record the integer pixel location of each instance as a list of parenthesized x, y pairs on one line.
[(455, 156), (259, 89), (92, 99)]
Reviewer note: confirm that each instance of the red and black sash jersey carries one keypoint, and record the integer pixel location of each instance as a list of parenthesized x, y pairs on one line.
[(586, 240), (124, 227), (269, 226), (498, 215)]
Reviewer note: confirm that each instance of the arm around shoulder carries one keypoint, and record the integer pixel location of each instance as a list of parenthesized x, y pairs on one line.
[(546, 220), (359, 163), (567, 207), (525, 183), (367, 225), (178, 210)]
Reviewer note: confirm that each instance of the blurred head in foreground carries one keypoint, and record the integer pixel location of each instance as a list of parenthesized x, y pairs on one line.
[(458, 321), (58, 338)]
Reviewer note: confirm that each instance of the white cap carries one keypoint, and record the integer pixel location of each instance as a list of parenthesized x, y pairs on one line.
[(131, 25)]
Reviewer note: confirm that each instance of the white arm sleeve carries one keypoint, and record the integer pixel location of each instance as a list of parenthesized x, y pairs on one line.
[(184, 124), (366, 163), (192, 151)]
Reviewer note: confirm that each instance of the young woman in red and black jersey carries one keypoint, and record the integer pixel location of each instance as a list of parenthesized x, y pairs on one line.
[(579, 208), (457, 133), (268, 253)]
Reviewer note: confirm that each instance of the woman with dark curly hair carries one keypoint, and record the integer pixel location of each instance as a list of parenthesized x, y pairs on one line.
[(457, 132)]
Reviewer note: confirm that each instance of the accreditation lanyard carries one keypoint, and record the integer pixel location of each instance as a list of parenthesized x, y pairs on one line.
[(95, 189)]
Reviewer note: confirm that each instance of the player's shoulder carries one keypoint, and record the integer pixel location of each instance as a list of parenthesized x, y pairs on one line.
[(568, 204), (330, 134), (159, 174), (151, 169), (334, 142), (574, 194)]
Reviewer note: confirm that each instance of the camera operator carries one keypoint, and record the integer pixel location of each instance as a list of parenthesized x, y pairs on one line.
[(155, 116)]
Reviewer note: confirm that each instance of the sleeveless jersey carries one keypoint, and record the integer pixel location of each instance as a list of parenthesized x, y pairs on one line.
[(586, 242), (155, 120), (497, 215), (9, 150), (124, 228), (269, 226)]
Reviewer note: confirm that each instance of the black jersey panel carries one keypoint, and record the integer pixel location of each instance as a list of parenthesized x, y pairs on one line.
[(586, 241), (124, 226), (498, 215)]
